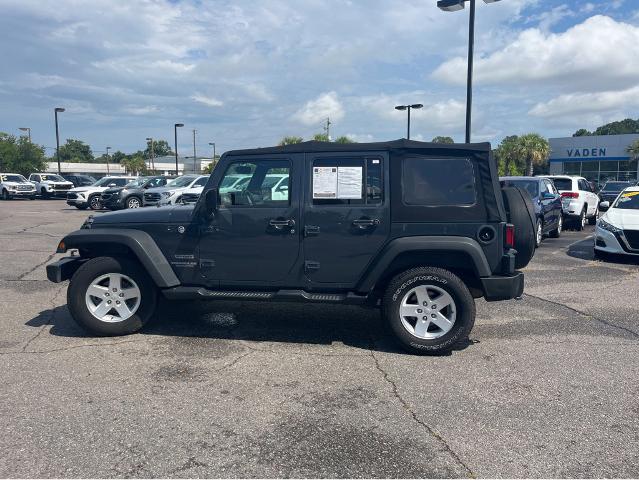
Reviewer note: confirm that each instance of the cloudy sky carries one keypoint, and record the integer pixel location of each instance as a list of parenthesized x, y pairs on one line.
[(246, 73)]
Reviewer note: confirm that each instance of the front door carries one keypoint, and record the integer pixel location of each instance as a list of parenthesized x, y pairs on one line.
[(346, 217), (253, 237)]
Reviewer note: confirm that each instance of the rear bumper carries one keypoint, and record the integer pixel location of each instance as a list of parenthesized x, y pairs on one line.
[(63, 269), (503, 287)]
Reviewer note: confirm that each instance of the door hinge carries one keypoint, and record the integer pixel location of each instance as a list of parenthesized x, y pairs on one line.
[(310, 266)]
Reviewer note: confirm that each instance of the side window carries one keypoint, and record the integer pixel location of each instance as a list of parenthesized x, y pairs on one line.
[(438, 181), (551, 187), (120, 182), (543, 187), (263, 183), (347, 181), (35, 178), (583, 185), (200, 182)]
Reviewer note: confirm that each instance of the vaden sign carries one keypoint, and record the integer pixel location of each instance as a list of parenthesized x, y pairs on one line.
[(585, 152)]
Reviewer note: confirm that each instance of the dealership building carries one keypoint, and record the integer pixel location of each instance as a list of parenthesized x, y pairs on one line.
[(597, 158)]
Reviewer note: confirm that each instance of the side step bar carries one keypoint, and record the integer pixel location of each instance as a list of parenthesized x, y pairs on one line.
[(190, 293)]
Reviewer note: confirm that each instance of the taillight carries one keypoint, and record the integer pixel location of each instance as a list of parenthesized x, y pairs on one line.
[(510, 235), (570, 195)]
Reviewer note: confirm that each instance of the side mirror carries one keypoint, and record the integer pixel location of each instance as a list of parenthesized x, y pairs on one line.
[(210, 201), (604, 205)]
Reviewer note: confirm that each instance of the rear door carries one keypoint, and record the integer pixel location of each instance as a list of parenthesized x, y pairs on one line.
[(346, 216), (590, 197)]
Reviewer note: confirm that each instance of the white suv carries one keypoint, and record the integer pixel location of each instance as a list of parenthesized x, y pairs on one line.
[(579, 202), (83, 197), (50, 184), (14, 185)]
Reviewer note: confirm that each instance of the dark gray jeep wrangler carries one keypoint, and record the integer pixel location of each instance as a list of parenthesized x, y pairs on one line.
[(414, 228)]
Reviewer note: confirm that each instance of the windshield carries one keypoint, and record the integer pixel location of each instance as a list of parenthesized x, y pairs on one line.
[(52, 178), (615, 186), (562, 183), (104, 182), (138, 182), (627, 201), (181, 181), (531, 186), (12, 178)]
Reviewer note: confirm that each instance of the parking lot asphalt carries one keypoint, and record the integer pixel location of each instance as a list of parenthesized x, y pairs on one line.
[(546, 387)]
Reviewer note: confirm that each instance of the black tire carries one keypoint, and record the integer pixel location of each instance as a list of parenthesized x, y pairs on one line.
[(32, 197), (44, 194), (81, 207), (97, 267), (5, 194), (593, 220), (131, 202), (556, 233), (521, 213), (94, 202), (580, 221), (439, 278)]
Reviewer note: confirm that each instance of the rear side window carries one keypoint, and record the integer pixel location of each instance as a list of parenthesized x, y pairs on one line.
[(563, 183), (438, 182)]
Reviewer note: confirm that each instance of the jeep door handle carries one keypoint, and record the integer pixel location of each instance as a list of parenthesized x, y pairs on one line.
[(279, 224), (366, 222)]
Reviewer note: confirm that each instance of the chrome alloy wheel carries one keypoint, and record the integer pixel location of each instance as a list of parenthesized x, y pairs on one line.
[(560, 224), (583, 219), (427, 312), (540, 235), (133, 202), (113, 297)]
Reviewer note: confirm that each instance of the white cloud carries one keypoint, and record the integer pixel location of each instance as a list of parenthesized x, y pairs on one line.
[(597, 52), (327, 105), (140, 110), (576, 104), (208, 101)]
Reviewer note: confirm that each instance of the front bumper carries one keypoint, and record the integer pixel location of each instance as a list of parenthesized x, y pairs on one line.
[(77, 202), (502, 287), (63, 269), (22, 193), (606, 241)]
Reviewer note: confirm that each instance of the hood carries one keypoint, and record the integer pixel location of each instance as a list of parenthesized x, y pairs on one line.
[(622, 218), (56, 182), (181, 213), (16, 184), (88, 189)]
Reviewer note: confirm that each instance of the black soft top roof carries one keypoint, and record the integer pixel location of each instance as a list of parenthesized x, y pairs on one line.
[(396, 145)]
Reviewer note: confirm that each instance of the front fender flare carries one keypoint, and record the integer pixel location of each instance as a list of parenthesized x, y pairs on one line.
[(139, 242)]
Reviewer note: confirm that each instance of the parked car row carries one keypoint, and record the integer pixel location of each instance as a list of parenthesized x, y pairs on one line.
[(45, 185)]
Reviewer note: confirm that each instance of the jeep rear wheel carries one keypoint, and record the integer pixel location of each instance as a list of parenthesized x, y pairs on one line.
[(429, 310), (111, 296)]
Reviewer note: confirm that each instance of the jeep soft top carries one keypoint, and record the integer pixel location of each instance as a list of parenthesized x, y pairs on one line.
[(417, 229)]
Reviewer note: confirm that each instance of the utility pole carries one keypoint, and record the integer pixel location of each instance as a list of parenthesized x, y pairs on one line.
[(150, 139), (194, 153), (27, 129), (327, 128), (175, 127), (57, 137), (107, 158)]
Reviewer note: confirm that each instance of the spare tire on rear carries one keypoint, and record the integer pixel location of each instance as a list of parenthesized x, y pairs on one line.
[(521, 213)]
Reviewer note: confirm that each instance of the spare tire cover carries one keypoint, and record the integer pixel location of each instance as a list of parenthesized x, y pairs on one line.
[(521, 213)]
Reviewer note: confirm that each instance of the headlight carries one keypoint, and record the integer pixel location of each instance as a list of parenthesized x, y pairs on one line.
[(87, 223), (13, 188), (48, 187), (168, 194), (80, 195), (601, 223)]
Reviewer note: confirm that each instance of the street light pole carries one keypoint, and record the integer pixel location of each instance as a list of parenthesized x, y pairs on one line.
[(107, 158), (194, 154), (57, 138), (408, 108), (452, 6), (150, 139), (175, 127), (213, 145), (26, 129)]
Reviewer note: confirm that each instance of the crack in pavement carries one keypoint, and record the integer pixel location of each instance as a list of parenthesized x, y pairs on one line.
[(412, 413), (21, 277), (584, 314), (70, 347)]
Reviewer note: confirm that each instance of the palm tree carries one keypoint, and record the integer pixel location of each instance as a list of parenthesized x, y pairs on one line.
[(633, 150), (534, 149), (344, 139), (290, 141)]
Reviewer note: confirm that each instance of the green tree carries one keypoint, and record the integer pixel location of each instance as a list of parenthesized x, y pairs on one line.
[(344, 139), (290, 140), (161, 148), (134, 164), (76, 151), (439, 139), (582, 132), (210, 167), (19, 155), (321, 137), (627, 125), (534, 149), (508, 159)]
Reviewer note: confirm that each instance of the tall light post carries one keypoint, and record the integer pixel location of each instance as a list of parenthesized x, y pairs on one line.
[(26, 129), (408, 108), (175, 127), (212, 144), (57, 137), (107, 158), (194, 154), (150, 139), (452, 6)]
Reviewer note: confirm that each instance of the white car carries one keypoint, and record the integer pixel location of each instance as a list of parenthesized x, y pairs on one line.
[(14, 185), (83, 197), (617, 230), (50, 184), (579, 202), (172, 192), (234, 183)]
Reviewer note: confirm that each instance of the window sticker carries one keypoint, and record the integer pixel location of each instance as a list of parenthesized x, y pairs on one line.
[(349, 183), (324, 182)]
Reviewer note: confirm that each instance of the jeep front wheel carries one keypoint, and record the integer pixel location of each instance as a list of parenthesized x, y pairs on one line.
[(111, 296), (429, 310)]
